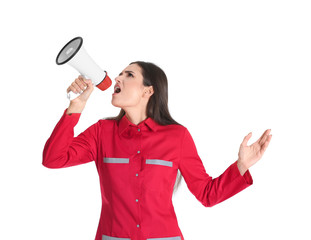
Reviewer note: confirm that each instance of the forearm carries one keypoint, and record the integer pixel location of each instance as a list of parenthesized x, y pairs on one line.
[(55, 153), (228, 184)]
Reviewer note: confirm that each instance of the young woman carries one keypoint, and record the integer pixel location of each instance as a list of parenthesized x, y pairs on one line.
[(138, 155)]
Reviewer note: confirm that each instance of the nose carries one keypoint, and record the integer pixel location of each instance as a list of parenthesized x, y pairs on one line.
[(117, 79)]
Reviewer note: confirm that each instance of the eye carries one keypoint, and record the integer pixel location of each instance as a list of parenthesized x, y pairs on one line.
[(130, 74)]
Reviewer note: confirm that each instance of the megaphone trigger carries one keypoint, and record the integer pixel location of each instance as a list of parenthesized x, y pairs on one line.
[(71, 95)]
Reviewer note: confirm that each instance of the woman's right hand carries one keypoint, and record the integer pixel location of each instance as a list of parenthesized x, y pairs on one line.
[(86, 87)]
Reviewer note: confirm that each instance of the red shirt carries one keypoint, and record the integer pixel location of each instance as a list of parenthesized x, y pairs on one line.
[(137, 167)]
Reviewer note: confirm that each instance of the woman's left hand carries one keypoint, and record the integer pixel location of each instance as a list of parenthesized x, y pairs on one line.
[(249, 155)]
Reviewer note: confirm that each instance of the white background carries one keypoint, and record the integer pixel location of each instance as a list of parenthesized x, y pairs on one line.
[(233, 67)]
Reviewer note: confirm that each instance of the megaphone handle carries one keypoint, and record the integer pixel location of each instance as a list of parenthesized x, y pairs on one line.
[(71, 95)]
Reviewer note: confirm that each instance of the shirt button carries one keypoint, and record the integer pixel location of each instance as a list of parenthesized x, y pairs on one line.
[(136, 200), (136, 174), (138, 151), (137, 225), (138, 129)]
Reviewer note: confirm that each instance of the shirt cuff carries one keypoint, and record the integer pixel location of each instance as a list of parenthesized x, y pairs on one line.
[(72, 114), (73, 118), (247, 177)]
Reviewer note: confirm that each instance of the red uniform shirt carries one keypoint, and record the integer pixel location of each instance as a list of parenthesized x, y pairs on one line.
[(137, 167)]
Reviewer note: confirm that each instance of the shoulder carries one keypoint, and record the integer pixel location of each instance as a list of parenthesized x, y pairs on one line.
[(175, 129), (107, 123)]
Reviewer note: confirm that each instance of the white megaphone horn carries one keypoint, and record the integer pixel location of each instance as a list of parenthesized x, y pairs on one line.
[(75, 55)]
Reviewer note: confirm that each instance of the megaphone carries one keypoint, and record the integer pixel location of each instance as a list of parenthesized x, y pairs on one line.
[(75, 55)]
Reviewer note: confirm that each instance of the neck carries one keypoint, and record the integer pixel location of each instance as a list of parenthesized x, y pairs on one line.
[(135, 116)]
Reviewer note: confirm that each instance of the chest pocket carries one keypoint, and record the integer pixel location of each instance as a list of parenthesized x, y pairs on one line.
[(159, 174), (159, 162), (116, 160), (116, 171)]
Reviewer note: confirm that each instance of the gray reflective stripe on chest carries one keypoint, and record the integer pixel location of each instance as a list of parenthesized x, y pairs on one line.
[(113, 238), (159, 162), (169, 238), (116, 160)]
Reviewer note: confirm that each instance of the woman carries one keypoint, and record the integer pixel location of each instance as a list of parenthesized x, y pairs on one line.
[(138, 154)]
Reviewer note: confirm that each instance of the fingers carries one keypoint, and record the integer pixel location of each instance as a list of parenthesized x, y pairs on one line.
[(266, 144), (264, 137), (261, 141), (264, 141), (246, 138), (79, 85)]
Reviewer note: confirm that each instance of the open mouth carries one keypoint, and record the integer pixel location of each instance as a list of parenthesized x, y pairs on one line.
[(117, 89)]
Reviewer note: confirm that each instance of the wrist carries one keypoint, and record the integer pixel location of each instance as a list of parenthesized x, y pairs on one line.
[(242, 168), (75, 108)]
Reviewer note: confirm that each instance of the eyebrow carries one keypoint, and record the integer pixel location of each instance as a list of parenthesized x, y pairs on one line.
[(127, 72)]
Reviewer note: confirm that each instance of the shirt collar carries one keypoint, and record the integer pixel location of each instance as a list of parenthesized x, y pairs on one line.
[(124, 124)]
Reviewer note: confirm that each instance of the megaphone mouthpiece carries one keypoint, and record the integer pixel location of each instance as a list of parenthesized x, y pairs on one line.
[(105, 83)]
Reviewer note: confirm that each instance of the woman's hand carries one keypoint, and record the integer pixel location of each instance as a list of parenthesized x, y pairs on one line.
[(83, 86), (249, 155)]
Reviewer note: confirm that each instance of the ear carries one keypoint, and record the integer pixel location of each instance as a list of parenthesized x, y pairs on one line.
[(148, 91)]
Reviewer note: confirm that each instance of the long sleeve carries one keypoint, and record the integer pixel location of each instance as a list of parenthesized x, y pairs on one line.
[(62, 149), (207, 190)]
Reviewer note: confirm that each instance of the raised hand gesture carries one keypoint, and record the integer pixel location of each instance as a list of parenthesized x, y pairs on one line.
[(249, 155)]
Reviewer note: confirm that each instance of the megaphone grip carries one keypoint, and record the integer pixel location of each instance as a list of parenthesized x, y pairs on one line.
[(71, 95), (106, 83)]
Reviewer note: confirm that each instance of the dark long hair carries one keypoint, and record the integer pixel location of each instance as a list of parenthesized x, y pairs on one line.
[(157, 107)]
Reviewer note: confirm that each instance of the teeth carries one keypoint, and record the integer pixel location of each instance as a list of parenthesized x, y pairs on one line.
[(117, 90)]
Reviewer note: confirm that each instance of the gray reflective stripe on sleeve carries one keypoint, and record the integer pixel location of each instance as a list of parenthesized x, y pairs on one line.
[(113, 238), (169, 238), (159, 162), (116, 160)]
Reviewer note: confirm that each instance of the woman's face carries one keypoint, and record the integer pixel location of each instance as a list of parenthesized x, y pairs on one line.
[(129, 90)]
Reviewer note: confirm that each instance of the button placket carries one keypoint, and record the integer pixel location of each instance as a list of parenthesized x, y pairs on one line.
[(139, 156), (139, 136)]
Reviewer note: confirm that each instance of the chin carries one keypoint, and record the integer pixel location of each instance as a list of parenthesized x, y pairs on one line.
[(114, 103)]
